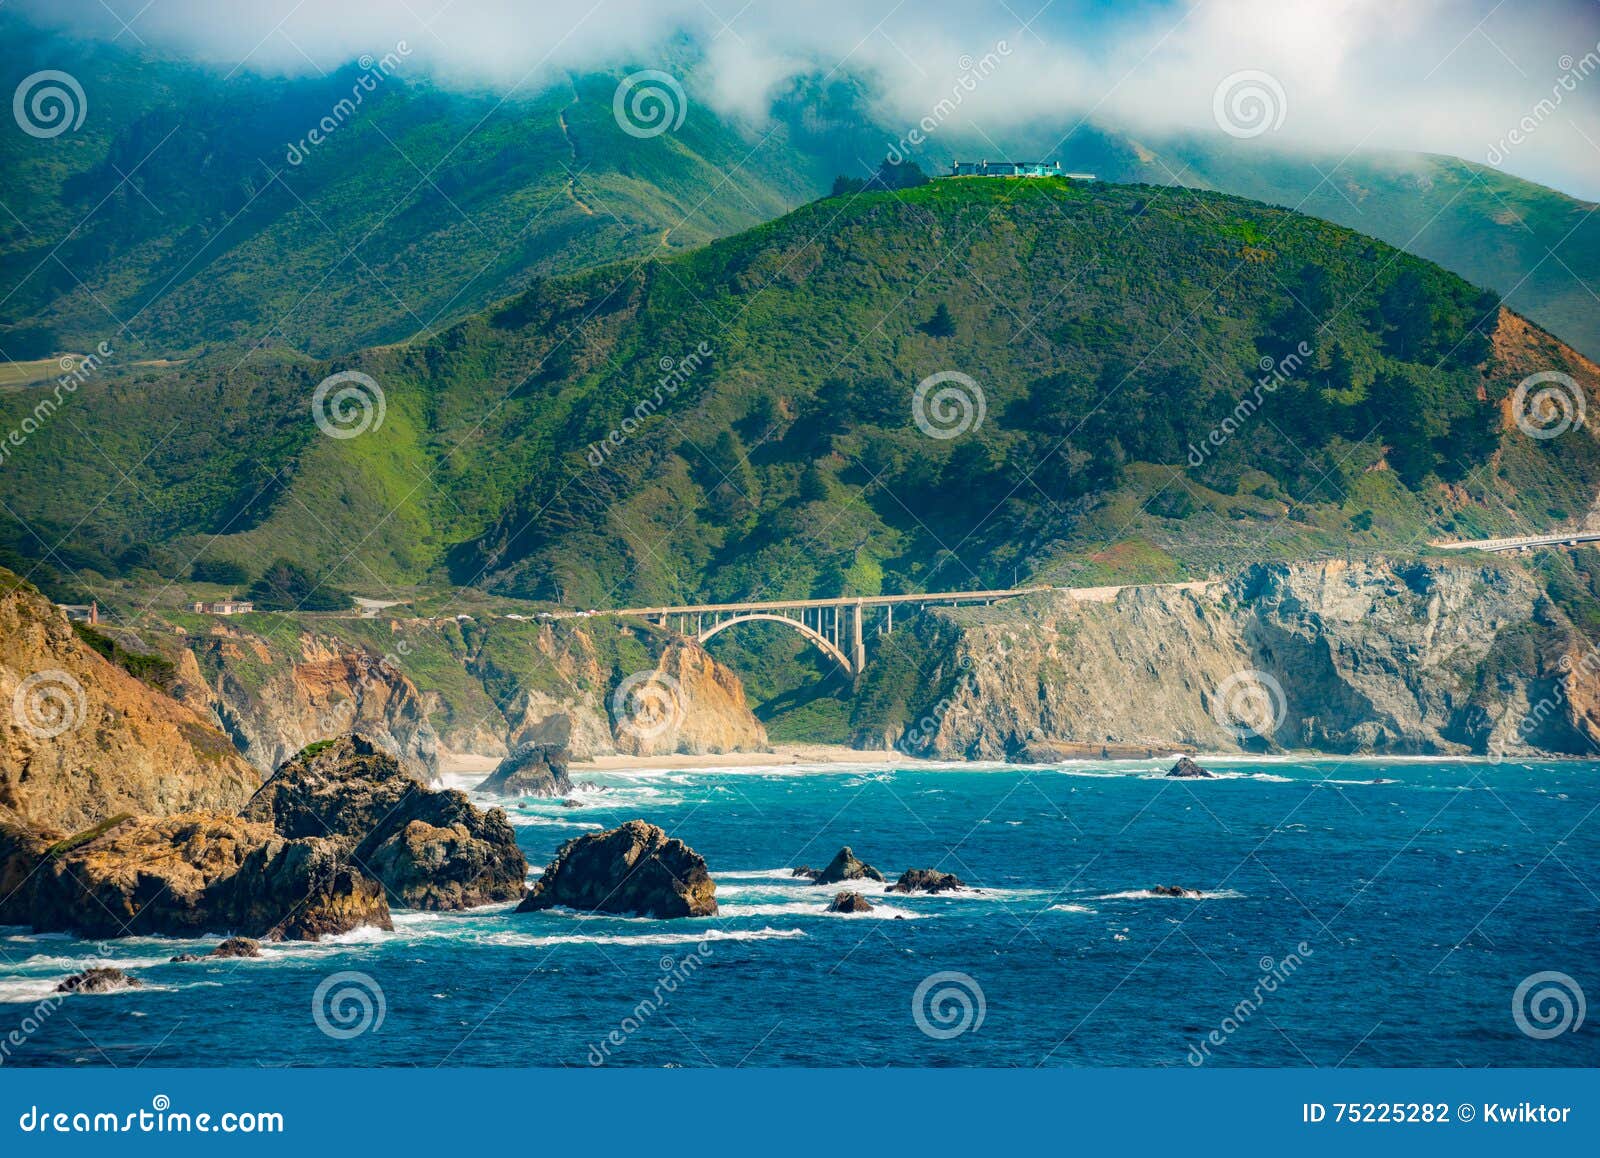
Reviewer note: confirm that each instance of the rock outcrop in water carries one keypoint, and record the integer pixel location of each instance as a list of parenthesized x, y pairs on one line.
[(1187, 769), (184, 875), (532, 770), (926, 881), (845, 866), (100, 979), (635, 869), (849, 902), (82, 740), (431, 848), (1173, 891)]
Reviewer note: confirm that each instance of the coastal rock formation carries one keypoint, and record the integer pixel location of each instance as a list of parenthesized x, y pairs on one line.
[(532, 770), (431, 849), (1437, 656), (849, 902), (635, 868), (82, 740), (232, 947), (1187, 769), (100, 979), (276, 697), (701, 709), (846, 867), (185, 875), (1172, 891), (926, 881)]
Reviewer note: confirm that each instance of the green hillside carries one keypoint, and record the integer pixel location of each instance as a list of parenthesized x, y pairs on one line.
[(1110, 331), (174, 221)]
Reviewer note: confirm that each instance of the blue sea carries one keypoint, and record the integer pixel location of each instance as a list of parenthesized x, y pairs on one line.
[(1350, 913)]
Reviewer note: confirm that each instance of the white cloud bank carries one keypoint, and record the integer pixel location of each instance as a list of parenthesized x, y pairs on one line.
[(1467, 77)]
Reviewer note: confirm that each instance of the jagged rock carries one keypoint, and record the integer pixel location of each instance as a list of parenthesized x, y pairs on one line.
[(849, 902), (81, 740), (571, 803), (926, 881), (845, 867), (1172, 891), (185, 958), (531, 770), (185, 875), (807, 872), (431, 848), (1187, 769), (237, 947), (635, 868), (101, 979)]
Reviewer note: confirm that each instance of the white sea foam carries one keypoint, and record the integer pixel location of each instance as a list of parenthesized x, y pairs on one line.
[(1071, 908), (817, 907), (682, 938), (1147, 895)]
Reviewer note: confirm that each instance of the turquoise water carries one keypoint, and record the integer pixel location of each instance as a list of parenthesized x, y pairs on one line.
[(1341, 922)]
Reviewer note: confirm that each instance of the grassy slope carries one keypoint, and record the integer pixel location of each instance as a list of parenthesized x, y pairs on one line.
[(420, 208), (1109, 328)]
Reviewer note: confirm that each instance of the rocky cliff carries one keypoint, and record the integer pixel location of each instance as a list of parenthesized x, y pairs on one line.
[(81, 739), (1427, 657), (481, 686)]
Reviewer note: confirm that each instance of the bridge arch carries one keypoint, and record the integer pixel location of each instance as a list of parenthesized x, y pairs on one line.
[(823, 643)]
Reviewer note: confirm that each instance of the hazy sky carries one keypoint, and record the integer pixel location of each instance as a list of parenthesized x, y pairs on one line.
[(1448, 76)]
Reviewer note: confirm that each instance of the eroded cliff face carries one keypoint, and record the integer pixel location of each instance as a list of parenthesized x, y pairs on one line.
[(81, 740), (480, 687), (1414, 658), (274, 700)]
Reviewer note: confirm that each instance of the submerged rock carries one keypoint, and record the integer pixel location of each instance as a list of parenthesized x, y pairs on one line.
[(1187, 769), (101, 979), (926, 881), (431, 848), (531, 770), (635, 868), (846, 867), (849, 902), (237, 947), (1172, 891), (807, 872), (232, 947)]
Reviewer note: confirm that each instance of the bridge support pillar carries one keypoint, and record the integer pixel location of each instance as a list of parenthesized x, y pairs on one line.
[(858, 649)]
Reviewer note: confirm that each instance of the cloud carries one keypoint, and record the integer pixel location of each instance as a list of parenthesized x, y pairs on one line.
[(1444, 76)]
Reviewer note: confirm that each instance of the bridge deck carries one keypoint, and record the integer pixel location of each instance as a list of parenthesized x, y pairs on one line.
[(844, 601)]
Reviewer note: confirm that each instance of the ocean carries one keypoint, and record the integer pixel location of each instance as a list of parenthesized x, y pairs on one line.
[(1349, 913)]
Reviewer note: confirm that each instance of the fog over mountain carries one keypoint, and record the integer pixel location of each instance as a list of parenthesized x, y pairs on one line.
[(1488, 82)]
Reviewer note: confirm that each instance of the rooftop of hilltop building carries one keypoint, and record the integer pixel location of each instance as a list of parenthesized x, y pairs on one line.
[(988, 168)]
